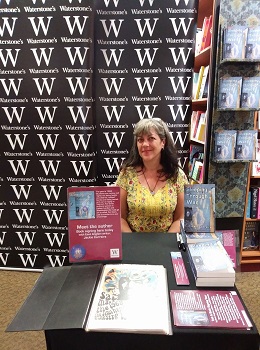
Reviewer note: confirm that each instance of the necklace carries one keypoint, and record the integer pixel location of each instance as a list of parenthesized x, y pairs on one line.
[(151, 190)]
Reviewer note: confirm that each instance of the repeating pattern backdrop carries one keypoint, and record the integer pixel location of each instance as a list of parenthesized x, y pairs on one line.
[(75, 77)]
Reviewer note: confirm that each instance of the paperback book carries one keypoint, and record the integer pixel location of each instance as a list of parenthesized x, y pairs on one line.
[(225, 144), (199, 208), (256, 165), (131, 298), (234, 40), (208, 308), (94, 223), (251, 236), (229, 92), (246, 144), (253, 43), (250, 96), (210, 259)]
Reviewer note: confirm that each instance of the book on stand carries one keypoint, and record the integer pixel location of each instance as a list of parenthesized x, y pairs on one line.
[(199, 208), (246, 144), (209, 309), (250, 95), (94, 223), (230, 241), (234, 42), (225, 144), (131, 298), (229, 92), (251, 236), (253, 43)]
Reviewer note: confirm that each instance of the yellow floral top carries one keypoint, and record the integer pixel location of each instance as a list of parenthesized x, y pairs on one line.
[(147, 212)]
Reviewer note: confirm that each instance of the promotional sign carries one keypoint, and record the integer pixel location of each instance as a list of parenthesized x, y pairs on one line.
[(74, 74)]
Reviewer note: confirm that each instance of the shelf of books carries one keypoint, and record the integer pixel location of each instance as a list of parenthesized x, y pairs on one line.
[(201, 88)]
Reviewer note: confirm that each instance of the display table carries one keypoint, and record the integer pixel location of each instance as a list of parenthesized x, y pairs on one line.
[(154, 248)]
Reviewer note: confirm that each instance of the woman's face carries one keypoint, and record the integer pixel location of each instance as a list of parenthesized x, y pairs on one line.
[(149, 145)]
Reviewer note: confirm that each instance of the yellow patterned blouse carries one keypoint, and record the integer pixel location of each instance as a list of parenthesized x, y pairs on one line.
[(147, 212)]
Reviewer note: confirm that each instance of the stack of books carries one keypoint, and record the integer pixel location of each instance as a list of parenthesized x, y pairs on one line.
[(209, 261)]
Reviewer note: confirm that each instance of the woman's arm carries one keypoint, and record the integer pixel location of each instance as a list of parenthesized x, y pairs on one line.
[(178, 214), (123, 198)]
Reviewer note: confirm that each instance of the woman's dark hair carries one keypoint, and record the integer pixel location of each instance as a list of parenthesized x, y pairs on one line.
[(169, 157)]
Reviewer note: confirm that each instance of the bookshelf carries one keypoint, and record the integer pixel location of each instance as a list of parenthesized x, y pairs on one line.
[(206, 57), (233, 178)]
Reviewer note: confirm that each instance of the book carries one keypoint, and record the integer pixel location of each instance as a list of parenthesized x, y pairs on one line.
[(203, 35), (131, 298), (225, 144), (248, 206), (199, 208), (210, 259), (254, 201), (256, 165), (253, 43), (196, 153), (251, 236), (234, 42), (198, 39), (250, 95), (201, 72), (203, 81), (207, 34), (195, 78), (246, 144), (94, 223), (229, 92), (215, 282), (208, 308), (230, 241), (201, 130)]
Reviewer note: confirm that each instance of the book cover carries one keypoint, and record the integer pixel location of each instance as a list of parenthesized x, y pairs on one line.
[(203, 30), (229, 92), (94, 223), (225, 144), (230, 241), (201, 72), (131, 298), (254, 202), (250, 95), (199, 208), (201, 131), (208, 308), (196, 153), (203, 81), (234, 42), (248, 206), (256, 165), (246, 144), (251, 236), (206, 39), (210, 259), (253, 43)]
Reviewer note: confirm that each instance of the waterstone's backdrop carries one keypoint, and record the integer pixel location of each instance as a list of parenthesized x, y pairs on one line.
[(75, 77)]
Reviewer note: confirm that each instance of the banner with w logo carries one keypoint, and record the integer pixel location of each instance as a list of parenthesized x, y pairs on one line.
[(75, 77)]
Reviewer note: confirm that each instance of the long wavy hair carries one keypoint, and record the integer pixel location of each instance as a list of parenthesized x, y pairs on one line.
[(169, 157)]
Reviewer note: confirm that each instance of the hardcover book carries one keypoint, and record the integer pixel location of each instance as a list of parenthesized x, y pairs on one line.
[(199, 208), (229, 92), (208, 308), (253, 43), (250, 96), (246, 144), (234, 40), (210, 259), (94, 223), (225, 144), (251, 236), (131, 298)]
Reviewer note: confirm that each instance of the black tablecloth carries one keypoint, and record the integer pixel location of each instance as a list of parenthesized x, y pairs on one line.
[(155, 248)]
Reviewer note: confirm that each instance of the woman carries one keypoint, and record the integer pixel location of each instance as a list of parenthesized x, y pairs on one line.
[(151, 181)]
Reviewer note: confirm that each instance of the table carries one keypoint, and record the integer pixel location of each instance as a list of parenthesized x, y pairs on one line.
[(154, 248)]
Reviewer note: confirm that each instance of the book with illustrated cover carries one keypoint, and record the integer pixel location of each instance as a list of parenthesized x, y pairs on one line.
[(199, 208), (246, 144), (131, 298), (250, 95), (203, 81), (253, 43), (210, 259), (251, 236), (256, 165), (94, 223), (225, 144), (208, 308), (229, 92), (230, 241), (234, 42), (196, 153), (199, 80)]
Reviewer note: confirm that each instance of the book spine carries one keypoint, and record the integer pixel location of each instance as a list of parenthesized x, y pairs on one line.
[(254, 202), (248, 207)]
